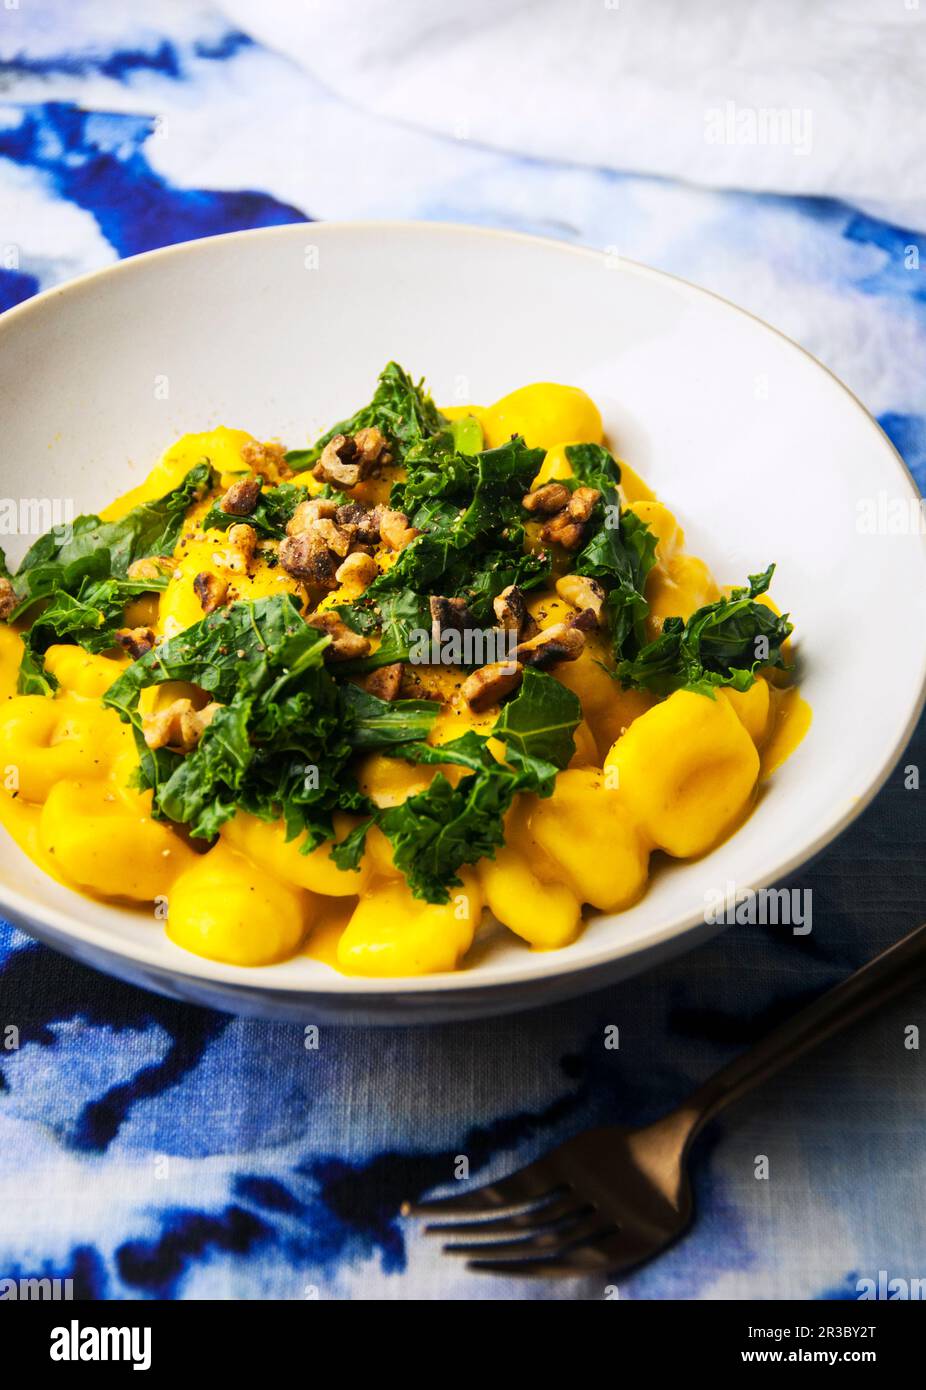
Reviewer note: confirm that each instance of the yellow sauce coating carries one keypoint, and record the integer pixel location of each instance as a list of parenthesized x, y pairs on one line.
[(675, 775)]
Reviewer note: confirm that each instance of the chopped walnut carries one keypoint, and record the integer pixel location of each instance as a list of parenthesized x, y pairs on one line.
[(511, 609), (552, 497), (8, 599), (136, 640), (242, 544), (211, 591), (268, 460), (567, 527), (150, 567), (349, 458), (586, 620), (561, 642), (490, 684), (563, 532), (371, 445), (336, 464), (359, 569), (449, 614), (241, 498), (582, 503), (364, 520), (307, 513), (394, 529), (180, 726), (346, 645), (581, 591), (585, 594), (385, 682), (337, 538), (307, 558)]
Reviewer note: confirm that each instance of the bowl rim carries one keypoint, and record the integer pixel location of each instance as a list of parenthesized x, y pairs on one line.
[(33, 917)]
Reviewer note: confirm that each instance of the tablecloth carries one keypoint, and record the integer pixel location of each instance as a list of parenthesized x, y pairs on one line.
[(151, 1149)]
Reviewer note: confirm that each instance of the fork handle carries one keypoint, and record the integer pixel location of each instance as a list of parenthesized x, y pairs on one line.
[(889, 973)]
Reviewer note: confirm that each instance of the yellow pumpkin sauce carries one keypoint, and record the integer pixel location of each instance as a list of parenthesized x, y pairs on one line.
[(322, 941), (793, 717), (672, 776)]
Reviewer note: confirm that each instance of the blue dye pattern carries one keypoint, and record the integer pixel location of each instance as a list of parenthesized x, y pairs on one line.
[(268, 1193), (904, 268), (120, 1008), (97, 161), (844, 1291), (156, 1267), (908, 435), (163, 59), (15, 286)]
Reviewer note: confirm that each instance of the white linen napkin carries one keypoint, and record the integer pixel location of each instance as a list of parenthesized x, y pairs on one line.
[(793, 97)]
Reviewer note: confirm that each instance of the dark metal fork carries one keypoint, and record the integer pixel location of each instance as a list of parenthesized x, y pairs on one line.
[(613, 1198)]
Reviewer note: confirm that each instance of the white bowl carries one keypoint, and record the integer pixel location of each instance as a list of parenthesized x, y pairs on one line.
[(761, 453)]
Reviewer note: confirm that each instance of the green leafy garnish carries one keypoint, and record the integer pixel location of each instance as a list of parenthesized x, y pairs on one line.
[(379, 724), (620, 552), (537, 728), (90, 548), (275, 507), (400, 408), (397, 617), (435, 832), (281, 743), (79, 574), (723, 643), (471, 547), (89, 619)]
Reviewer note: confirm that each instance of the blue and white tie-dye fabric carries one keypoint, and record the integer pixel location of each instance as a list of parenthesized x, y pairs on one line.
[(152, 1149)]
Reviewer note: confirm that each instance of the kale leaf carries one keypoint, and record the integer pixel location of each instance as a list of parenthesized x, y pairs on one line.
[(90, 548), (79, 573), (537, 728), (620, 552), (438, 830), (400, 408), (435, 832), (373, 723), (282, 740), (468, 509), (274, 509), (89, 619), (397, 616), (723, 643)]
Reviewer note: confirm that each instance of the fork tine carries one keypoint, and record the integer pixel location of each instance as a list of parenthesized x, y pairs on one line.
[(532, 1269), (536, 1182), (574, 1265), (612, 1252), (584, 1222), (508, 1223)]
